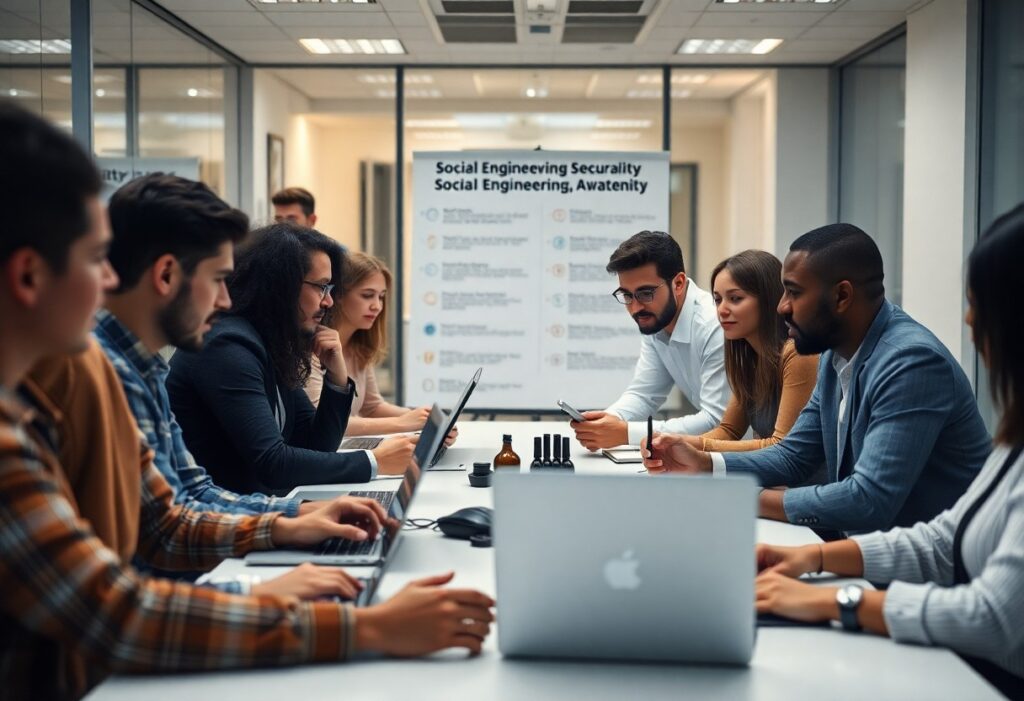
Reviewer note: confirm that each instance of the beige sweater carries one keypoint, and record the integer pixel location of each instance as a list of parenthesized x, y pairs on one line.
[(367, 397)]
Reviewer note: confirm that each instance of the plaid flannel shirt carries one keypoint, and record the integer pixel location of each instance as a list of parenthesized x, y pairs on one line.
[(71, 612)]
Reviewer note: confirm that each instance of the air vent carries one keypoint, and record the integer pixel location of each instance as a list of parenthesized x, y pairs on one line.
[(605, 7), (540, 29), (601, 30), (479, 7), (478, 30)]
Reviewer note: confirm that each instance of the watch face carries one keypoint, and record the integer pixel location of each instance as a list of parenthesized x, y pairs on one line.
[(850, 595)]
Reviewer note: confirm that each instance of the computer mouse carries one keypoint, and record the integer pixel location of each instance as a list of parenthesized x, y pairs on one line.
[(466, 523)]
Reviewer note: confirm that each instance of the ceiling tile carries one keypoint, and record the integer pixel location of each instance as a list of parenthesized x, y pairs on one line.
[(347, 19), (855, 19), (415, 34), (225, 33), (840, 47), (208, 5), (758, 19), (407, 19), (202, 20), (743, 32), (862, 33), (878, 5)]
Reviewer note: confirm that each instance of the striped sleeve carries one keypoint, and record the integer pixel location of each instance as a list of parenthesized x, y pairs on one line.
[(58, 580)]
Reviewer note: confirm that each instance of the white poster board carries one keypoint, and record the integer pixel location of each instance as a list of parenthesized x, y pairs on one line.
[(508, 273), (118, 171)]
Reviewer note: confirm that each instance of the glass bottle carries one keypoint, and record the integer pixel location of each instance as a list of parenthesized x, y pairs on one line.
[(507, 457)]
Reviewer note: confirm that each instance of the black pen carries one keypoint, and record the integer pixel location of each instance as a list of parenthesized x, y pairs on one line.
[(650, 435)]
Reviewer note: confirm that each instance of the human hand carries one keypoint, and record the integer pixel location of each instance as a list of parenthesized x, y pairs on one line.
[(600, 430), (309, 581), (394, 454), (327, 348), (352, 518), (673, 453), (452, 435), (784, 596), (424, 617), (788, 561), (414, 419)]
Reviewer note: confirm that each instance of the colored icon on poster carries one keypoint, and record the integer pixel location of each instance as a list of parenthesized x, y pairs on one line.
[(430, 329)]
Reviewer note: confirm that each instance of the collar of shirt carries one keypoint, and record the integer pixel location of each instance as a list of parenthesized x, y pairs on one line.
[(844, 368), (30, 407), (119, 337), (684, 324)]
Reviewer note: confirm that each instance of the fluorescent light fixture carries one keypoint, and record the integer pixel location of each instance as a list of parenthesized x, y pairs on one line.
[(568, 120), (432, 124), (353, 46), (411, 92), (483, 121), (389, 79), (728, 46), (192, 92), (653, 94), (310, 2), (677, 78), (623, 123), (35, 46)]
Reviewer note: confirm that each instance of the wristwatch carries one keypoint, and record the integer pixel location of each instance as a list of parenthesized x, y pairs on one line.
[(849, 598)]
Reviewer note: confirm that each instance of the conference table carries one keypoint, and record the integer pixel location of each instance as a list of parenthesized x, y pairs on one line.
[(788, 662)]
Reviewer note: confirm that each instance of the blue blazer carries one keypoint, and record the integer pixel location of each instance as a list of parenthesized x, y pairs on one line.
[(914, 438)]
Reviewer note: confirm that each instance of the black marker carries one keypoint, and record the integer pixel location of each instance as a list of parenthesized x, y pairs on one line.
[(650, 435)]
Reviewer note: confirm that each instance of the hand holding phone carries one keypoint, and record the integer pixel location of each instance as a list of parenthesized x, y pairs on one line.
[(573, 414)]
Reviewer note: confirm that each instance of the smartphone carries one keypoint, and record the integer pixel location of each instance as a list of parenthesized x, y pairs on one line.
[(570, 412)]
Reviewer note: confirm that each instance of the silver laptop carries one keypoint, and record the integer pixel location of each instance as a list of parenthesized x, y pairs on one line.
[(371, 442), (625, 567), (341, 552)]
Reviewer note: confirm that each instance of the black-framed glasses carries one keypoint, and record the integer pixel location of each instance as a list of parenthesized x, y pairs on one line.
[(324, 289), (645, 295)]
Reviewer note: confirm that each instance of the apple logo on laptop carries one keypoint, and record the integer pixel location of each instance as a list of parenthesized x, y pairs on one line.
[(620, 572)]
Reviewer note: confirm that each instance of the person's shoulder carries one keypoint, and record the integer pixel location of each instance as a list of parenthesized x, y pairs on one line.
[(793, 360), (230, 337), (905, 338), (60, 376)]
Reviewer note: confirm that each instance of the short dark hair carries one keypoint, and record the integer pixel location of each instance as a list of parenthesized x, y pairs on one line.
[(46, 179), (265, 288), (159, 214), (838, 252), (648, 247), (993, 279), (296, 195)]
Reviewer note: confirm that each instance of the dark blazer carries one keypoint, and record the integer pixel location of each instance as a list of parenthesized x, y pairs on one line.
[(914, 439), (225, 397)]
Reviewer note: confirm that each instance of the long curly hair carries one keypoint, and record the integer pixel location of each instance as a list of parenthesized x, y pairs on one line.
[(265, 288)]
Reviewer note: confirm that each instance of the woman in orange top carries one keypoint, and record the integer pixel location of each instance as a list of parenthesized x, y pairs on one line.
[(770, 382)]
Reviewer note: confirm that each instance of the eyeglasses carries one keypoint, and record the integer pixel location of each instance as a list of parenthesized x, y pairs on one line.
[(324, 289), (645, 295)]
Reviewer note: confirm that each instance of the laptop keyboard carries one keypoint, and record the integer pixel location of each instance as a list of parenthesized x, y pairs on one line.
[(360, 443), (385, 499), (343, 546)]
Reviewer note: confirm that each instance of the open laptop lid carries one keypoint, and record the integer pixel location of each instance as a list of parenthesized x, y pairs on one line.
[(676, 583), (431, 436), (456, 412)]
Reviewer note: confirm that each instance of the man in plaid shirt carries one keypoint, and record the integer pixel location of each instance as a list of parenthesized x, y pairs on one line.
[(71, 609)]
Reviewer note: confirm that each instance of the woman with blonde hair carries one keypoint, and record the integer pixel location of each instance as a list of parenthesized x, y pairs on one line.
[(771, 383), (360, 318)]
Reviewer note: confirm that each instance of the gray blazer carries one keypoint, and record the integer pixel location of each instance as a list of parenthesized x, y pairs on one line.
[(914, 438)]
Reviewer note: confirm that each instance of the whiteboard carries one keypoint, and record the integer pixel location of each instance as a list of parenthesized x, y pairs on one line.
[(508, 273)]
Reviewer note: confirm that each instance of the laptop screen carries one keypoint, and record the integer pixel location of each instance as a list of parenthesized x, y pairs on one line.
[(430, 437), (456, 412)]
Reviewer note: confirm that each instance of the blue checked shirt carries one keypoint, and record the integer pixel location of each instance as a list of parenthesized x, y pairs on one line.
[(143, 374)]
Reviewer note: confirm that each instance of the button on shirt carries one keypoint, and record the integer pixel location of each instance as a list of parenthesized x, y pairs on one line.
[(691, 358)]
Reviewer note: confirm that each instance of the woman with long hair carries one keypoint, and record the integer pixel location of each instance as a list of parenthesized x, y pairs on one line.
[(957, 580), (360, 318), (770, 381)]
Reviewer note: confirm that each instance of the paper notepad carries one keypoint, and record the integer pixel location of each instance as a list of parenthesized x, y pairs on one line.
[(622, 455)]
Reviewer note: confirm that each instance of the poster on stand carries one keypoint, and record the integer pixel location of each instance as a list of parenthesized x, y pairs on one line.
[(508, 273)]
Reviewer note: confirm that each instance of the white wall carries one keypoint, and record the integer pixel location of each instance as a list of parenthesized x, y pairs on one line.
[(750, 165), (933, 185), (801, 154), (274, 110)]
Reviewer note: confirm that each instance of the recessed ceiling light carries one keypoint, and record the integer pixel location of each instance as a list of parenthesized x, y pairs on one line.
[(100, 92), (352, 46), (728, 46), (35, 46), (615, 135), (192, 92), (410, 93)]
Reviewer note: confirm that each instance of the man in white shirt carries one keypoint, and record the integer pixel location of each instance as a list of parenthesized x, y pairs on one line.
[(682, 345)]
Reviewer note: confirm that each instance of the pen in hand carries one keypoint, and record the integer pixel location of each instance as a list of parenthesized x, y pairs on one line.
[(650, 439)]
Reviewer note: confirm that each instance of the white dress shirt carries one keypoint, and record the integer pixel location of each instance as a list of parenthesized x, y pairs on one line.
[(692, 359)]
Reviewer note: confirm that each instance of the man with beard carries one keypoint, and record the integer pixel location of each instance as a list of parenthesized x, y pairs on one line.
[(682, 346), (240, 399), (892, 417)]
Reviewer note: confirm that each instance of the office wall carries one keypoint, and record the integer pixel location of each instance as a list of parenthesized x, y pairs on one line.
[(276, 109), (801, 154), (707, 146), (750, 184), (934, 193)]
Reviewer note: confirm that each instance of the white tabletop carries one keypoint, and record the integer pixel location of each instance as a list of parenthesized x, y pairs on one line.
[(788, 662)]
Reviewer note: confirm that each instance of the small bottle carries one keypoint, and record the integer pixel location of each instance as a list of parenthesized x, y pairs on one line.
[(536, 452), (507, 457)]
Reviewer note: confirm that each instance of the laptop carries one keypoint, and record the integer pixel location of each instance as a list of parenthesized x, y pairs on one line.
[(654, 568), (371, 442), (342, 552)]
